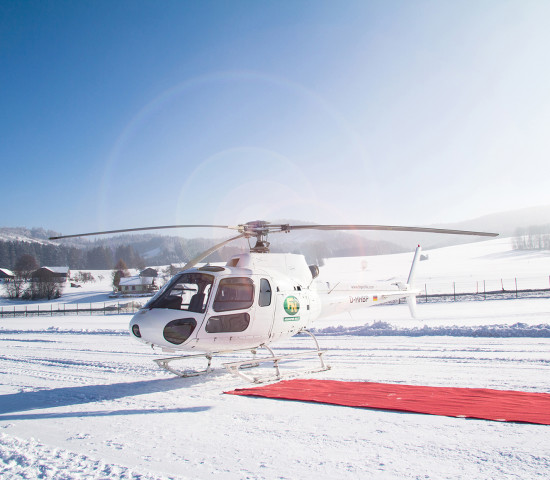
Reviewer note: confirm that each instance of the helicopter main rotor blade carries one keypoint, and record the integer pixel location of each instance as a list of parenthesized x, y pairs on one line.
[(263, 228), (394, 228), (140, 229), (191, 263)]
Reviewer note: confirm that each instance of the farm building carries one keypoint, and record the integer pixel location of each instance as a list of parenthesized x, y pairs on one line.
[(137, 284), (61, 274), (6, 275), (149, 272)]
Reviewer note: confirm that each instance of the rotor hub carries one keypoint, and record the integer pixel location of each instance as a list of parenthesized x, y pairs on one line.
[(260, 230)]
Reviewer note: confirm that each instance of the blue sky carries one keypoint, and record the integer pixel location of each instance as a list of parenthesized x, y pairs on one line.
[(124, 114)]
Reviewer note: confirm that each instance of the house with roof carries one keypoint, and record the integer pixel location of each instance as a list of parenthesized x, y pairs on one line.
[(137, 285), (58, 274), (149, 272), (6, 275)]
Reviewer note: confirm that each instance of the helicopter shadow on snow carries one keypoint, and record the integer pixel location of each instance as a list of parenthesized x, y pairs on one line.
[(13, 405)]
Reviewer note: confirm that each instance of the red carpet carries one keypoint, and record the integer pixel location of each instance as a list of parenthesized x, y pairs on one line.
[(481, 403)]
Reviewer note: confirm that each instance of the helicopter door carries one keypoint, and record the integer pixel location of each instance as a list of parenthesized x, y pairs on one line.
[(265, 309), (291, 314), (232, 311)]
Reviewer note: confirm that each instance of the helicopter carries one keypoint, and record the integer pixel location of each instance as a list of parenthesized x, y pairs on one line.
[(253, 301)]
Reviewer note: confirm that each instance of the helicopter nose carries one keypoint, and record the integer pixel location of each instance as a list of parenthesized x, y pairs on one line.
[(134, 326), (162, 327)]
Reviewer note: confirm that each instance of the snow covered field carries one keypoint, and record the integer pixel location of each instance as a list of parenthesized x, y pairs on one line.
[(80, 399)]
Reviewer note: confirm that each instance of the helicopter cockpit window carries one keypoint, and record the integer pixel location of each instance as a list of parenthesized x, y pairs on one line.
[(188, 291), (234, 293), (265, 293)]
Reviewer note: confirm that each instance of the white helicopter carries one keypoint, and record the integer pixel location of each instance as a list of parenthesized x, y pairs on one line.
[(255, 300)]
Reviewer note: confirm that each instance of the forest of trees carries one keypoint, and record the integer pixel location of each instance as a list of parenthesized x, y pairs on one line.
[(139, 251), (98, 256), (536, 237), (95, 258)]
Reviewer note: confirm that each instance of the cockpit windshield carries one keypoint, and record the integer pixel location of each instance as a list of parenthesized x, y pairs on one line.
[(186, 291)]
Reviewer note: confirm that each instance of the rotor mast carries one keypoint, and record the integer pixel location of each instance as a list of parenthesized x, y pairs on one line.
[(261, 229)]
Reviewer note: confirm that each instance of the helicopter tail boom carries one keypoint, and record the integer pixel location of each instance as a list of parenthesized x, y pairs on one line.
[(345, 298)]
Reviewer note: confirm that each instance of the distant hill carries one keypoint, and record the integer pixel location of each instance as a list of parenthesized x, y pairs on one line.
[(138, 250), (21, 234), (506, 223), (153, 249)]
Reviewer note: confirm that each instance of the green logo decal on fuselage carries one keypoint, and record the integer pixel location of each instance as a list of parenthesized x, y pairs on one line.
[(292, 305)]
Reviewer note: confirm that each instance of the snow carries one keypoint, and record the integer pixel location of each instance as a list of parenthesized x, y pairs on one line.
[(97, 292), (467, 266), (80, 399)]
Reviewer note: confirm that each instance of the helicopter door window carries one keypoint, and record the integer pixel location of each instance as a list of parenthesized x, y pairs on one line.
[(265, 293), (235, 322), (234, 293), (188, 291)]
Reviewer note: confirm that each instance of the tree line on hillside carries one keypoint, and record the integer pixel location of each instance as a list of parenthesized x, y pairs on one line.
[(105, 257), (536, 237), (95, 258), (139, 251)]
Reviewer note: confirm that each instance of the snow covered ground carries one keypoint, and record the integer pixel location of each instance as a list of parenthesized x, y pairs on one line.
[(89, 292), (80, 399)]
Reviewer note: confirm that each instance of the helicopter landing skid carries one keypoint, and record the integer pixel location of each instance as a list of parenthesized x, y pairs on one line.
[(236, 368), (165, 363)]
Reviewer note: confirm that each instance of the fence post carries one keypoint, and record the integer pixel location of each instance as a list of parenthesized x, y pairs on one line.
[(454, 291), (484, 291), (103, 308), (426, 290), (51, 309)]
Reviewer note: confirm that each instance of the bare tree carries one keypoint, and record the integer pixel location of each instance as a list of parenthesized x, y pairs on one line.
[(536, 237), (44, 287), (25, 265), (15, 287), (44, 284)]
